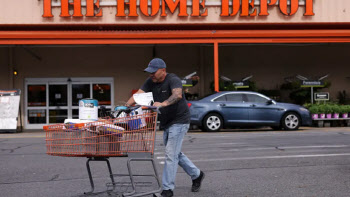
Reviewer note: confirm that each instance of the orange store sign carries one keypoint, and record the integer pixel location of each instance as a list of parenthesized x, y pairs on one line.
[(228, 8)]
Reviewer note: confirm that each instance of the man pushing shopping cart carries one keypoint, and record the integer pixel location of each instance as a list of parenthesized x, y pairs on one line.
[(174, 119)]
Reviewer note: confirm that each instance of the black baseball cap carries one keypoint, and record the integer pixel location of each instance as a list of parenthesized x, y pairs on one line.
[(154, 65)]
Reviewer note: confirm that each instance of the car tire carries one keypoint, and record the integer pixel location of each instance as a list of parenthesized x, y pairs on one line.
[(291, 121), (212, 122)]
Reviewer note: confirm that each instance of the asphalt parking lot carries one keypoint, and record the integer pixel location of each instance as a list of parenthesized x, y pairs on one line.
[(308, 162)]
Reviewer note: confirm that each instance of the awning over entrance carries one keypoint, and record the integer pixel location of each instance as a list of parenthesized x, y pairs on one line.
[(175, 36), (214, 37)]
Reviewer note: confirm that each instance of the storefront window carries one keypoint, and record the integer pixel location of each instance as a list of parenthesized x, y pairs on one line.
[(75, 113), (37, 116), (102, 93), (80, 91), (58, 95), (57, 116), (36, 95)]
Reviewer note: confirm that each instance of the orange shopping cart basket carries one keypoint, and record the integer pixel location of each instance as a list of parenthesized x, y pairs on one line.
[(133, 134)]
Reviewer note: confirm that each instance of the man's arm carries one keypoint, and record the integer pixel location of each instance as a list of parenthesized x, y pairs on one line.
[(174, 98), (131, 101)]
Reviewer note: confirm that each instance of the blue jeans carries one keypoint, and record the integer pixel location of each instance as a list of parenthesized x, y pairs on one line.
[(173, 137)]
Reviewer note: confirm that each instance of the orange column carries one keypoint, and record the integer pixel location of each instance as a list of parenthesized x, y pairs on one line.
[(216, 66)]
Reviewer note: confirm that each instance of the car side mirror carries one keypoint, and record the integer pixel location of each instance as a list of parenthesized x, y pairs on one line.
[(269, 102)]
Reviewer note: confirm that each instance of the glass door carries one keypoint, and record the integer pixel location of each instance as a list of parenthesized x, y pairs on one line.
[(79, 91), (52, 100), (36, 104), (102, 93), (58, 103)]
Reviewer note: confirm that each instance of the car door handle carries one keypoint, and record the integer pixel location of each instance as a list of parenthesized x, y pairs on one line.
[(253, 105), (222, 105)]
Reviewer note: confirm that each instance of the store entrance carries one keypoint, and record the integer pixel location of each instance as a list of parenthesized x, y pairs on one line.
[(52, 100)]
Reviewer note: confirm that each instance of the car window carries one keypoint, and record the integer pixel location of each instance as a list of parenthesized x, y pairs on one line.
[(221, 98), (234, 97), (256, 98), (202, 97)]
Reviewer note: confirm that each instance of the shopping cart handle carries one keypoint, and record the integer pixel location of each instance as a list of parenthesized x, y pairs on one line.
[(148, 107), (130, 109)]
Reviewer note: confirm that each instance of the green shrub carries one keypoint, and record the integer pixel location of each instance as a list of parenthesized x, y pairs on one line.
[(328, 109), (347, 108), (307, 105), (343, 109), (314, 109), (322, 109), (336, 109)]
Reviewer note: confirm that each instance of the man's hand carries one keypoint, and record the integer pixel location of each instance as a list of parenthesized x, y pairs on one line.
[(158, 104)]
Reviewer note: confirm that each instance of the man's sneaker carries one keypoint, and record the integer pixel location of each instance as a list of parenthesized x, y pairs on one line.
[(196, 184), (167, 193)]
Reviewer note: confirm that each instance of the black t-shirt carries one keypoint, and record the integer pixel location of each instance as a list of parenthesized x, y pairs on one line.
[(177, 113)]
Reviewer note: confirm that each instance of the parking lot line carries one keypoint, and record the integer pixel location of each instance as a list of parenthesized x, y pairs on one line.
[(21, 136), (272, 157), (263, 157)]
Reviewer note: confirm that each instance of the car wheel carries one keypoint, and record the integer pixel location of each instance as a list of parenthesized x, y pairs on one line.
[(212, 122), (291, 121)]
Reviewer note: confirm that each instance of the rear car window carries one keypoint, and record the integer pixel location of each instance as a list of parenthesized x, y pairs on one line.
[(234, 97), (256, 98), (221, 98)]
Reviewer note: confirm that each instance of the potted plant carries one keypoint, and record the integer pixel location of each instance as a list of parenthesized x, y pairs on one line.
[(336, 111), (346, 111), (314, 110), (328, 110), (322, 111), (343, 111)]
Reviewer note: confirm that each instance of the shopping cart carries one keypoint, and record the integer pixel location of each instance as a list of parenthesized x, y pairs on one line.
[(132, 136)]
